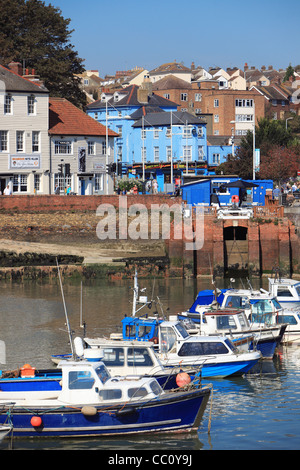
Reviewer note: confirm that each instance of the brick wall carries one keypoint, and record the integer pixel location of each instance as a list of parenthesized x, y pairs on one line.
[(52, 203)]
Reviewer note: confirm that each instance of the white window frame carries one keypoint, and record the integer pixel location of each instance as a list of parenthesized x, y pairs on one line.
[(62, 181), (35, 141), (216, 103), (183, 97), (187, 151), (99, 182), (156, 134), (91, 147), (216, 158), (156, 154), (20, 183), (168, 153), (20, 142), (143, 154), (198, 97), (201, 152), (8, 104), (244, 103), (60, 145), (31, 105), (216, 118), (37, 182), (3, 141)]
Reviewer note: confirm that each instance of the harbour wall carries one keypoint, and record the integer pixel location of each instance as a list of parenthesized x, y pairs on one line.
[(253, 247)]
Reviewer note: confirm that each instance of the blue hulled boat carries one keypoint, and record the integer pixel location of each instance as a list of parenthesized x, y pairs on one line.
[(92, 403)]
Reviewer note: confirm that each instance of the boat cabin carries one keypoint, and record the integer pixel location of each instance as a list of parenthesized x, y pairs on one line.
[(140, 328), (123, 357), (287, 291), (259, 307), (174, 339), (91, 383), (221, 321)]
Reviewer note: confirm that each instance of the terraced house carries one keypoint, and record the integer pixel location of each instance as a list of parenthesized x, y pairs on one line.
[(24, 141), (48, 143)]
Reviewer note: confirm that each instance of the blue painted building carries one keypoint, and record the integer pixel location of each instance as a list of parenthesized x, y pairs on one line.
[(152, 133), (209, 188)]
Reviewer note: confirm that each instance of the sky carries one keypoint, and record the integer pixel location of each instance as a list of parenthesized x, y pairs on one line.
[(116, 35)]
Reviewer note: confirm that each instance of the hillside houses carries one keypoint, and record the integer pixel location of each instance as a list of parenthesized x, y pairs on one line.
[(162, 123)]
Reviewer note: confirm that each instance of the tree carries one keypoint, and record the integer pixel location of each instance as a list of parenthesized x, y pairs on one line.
[(288, 73), (279, 164), (39, 37), (269, 133)]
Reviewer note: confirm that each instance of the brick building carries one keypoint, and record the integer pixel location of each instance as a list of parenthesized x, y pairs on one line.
[(231, 110)]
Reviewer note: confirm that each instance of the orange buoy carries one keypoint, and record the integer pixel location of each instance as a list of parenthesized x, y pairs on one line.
[(182, 379), (36, 421)]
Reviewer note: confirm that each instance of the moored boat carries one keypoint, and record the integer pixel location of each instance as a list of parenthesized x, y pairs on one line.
[(217, 355), (92, 403)]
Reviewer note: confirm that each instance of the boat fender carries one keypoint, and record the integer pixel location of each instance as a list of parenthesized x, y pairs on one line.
[(89, 411), (79, 349), (36, 421), (182, 379)]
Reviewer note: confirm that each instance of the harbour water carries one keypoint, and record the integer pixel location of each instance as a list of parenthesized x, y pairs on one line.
[(258, 411)]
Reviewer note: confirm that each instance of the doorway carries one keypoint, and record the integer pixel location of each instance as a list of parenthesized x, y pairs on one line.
[(236, 256)]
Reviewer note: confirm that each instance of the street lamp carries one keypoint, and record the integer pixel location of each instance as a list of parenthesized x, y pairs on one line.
[(287, 121)]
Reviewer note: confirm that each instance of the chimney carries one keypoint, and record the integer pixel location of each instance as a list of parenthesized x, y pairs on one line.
[(145, 90), (16, 67), (245, 67)]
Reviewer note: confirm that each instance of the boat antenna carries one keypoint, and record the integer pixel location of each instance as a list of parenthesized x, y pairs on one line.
[(249, 284), (82, 323), (65, 309)]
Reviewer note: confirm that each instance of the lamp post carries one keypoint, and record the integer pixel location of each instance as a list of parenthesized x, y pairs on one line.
[(286, 121)]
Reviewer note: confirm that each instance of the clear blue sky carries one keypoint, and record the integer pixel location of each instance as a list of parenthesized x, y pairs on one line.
[(119, 35)]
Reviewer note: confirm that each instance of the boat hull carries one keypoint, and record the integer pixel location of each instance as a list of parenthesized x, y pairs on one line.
[(226, 369), (171, 413)]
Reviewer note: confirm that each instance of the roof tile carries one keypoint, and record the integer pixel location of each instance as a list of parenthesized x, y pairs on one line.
[(66, 119)]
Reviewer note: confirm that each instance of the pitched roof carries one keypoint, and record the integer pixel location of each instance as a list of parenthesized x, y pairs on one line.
[(66, 119), (273, 92), (170, 67), (164, 119), (15, 83), (171, 82), (130, 98)]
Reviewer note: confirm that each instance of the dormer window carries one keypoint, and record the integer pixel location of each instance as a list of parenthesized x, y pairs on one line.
[(31, 104), (116, 97)]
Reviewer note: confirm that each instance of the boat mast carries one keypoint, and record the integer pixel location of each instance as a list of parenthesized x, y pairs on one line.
[(135, 294), (65, 309)]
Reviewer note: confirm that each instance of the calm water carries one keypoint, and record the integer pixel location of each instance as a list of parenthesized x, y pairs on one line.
[(259, 411)]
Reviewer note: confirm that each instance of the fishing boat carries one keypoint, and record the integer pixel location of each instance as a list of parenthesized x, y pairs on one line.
[(234, 324), (123, 358), (217, 355), (92, 403), (234, 313)]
